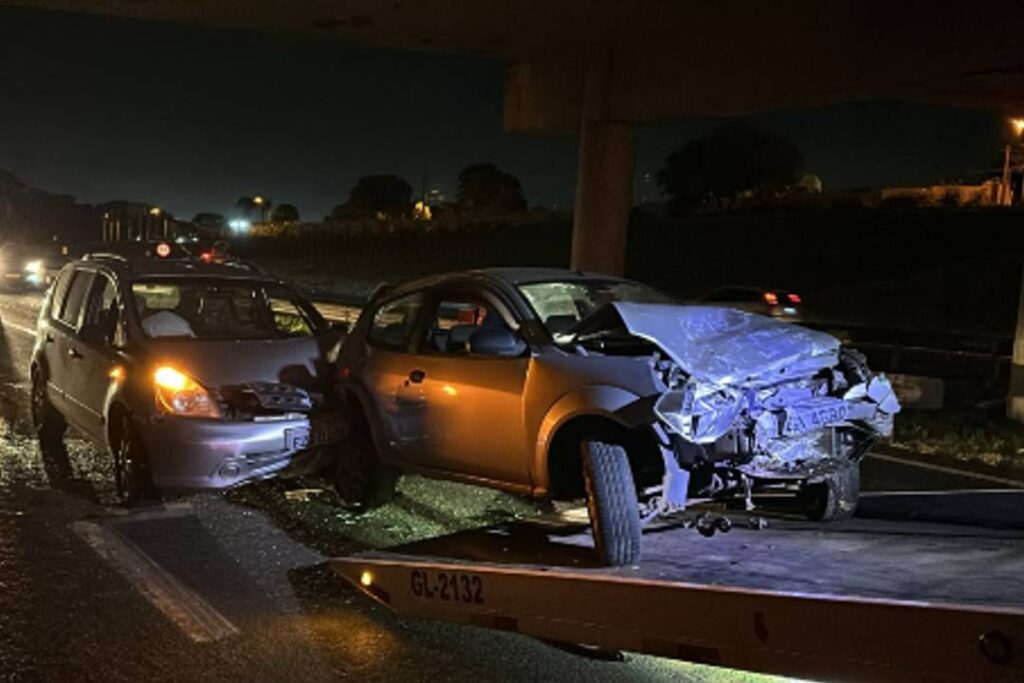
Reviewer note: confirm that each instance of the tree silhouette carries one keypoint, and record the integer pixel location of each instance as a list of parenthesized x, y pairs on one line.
[(386, 194), (732, 159), (246, 204), (284, 213), (485, 188)]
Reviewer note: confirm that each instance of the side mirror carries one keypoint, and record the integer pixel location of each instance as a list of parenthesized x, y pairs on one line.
[(495, 341)]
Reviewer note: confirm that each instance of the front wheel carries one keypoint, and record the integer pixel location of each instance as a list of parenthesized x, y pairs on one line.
[(131, 466), (612, 503), (833, 499), (360, 479)]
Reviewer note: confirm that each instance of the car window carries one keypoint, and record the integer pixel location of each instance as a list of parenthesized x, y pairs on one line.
[(289, 319), (72, 304), (101, 303), (60, 292), (455, 320), (393, 323)]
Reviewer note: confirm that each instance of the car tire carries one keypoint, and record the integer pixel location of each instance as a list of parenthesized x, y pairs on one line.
[(834, 498), (132, 476), (612, 503), (49, 425), (360, 479)]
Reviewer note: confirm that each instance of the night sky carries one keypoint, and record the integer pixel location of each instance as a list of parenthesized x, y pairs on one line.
[(190, 119)]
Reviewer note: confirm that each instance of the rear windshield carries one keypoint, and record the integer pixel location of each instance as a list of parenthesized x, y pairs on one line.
[(222, 309)]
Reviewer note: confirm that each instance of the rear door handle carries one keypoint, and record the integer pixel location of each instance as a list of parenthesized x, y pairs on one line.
[(74, 353), (416, 376)]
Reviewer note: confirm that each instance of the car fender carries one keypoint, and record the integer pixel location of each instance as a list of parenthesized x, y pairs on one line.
[(595, 400)]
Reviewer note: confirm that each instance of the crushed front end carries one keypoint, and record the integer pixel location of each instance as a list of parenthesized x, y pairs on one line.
[(745, 397)]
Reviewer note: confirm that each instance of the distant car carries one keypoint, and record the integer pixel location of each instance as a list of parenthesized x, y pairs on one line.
[(193, 376), (558, 384), (28, 266), (777, 303)]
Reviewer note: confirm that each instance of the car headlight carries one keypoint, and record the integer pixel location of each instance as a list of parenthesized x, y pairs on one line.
[(179, 394), (34, 267)]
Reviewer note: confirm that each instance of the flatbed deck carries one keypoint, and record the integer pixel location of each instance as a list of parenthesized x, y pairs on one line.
[(919, 587)]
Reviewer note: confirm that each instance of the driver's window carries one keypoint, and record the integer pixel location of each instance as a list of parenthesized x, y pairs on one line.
[(455, 320), (101, 317)]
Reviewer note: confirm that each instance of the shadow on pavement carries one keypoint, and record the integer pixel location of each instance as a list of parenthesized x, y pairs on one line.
[(985, 509), (60, 473), (10, 411)]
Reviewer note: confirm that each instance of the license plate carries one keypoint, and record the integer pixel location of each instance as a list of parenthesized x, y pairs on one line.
[(802, 420), (296, 438), (327, 430)]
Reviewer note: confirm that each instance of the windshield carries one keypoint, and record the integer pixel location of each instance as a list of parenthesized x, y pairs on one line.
[(561, 304), (221, 309)]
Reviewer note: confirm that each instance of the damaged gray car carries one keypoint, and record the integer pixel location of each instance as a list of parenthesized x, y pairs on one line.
[(566, 385)]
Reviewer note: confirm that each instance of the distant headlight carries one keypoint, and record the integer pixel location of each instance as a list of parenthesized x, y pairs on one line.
[(179, 394), (34, 267)]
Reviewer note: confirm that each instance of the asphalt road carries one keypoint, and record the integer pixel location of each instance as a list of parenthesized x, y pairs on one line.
[(235, 586)]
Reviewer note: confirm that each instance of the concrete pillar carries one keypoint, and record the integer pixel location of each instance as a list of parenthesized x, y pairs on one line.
[(604, 181), (1015, 401)]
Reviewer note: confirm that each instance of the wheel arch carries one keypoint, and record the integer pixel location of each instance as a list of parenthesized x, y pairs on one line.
[(601, 412)]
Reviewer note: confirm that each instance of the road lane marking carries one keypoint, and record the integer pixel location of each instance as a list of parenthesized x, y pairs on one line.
[(5, 324), (183, 606), (948, 470)]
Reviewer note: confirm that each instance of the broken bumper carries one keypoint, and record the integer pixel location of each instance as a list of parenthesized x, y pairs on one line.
[(187, 455)]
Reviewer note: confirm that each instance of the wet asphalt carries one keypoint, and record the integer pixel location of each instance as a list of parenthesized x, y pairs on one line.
[(257, 556)]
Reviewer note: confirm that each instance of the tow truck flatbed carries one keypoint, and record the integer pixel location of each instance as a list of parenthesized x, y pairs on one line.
[(867, 599)]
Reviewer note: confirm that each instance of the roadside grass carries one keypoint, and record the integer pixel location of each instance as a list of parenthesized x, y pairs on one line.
[(968, 435)]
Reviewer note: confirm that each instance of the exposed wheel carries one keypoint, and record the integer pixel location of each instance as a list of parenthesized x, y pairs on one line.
[(360, 479), (612, 503), (49, 424), (833, 499), (131, 466)]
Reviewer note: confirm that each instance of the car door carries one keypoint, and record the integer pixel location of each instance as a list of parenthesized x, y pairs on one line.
[(471, 406), (385, 376), (95, 354), (64, 356)]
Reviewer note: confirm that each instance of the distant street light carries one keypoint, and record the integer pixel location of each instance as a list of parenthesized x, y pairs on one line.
[(258, 200), (1018, 126), (155, 211)]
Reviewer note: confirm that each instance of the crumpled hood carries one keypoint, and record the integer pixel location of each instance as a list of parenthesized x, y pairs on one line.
[(217, 363), (728, 346)]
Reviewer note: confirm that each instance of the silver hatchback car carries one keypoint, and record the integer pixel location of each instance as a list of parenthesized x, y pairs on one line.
[(194, 376), (551, 383)]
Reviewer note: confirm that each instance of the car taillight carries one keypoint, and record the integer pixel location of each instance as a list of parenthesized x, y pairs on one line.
[(794, 298), (771, 298)]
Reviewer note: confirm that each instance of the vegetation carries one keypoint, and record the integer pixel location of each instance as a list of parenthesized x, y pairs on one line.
[(386, 195), (284, 213), (730, 161), (968, 435), (486, 189)]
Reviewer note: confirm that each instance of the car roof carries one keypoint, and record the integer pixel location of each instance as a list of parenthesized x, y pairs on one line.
[(508, 276), (141, 268)]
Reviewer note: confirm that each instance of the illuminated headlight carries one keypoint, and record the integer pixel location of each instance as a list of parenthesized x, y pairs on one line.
[(179, 394), (34, 267)]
